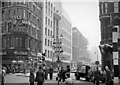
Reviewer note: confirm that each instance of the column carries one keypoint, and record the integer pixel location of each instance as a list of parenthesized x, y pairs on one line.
[(115, 32)]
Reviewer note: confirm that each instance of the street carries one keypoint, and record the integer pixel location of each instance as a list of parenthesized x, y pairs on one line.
[(13, 79)]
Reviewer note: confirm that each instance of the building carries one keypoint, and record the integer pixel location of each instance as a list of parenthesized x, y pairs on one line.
[(79, 46), (51, 18), (66, 31), (109, 17), (21, 32), (55, 24)]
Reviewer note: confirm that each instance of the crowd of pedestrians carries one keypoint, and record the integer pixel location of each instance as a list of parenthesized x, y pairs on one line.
[(41, 75), (96, 76), (44, 71), (63, 74)]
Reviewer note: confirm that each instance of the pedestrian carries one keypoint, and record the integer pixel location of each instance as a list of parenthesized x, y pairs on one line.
[(62, 74), (77, 75), (68, 71), (3, 77), (108, 76), (51, 72), (46, 72), (31, 77), (97, 76), (40, 76)]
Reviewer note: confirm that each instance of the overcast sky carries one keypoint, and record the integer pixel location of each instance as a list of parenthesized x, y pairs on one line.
[(84, 15)]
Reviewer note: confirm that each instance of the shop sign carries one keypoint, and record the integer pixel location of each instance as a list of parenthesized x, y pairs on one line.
[(20, 53)]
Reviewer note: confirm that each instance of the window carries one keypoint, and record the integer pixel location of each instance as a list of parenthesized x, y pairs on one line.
[(3, 14), (51, 24), (14, 12), (116, 7), (9, 13), (48, 54), (48, 42), (106, 7), (9, 26), (4, 29), (24, 14), (38, 21), (51, 33), (46, 31), (51, 43), (46, 7), (8, 43), (45, 41), (51, 53), (46, 20), (22, 42), (102, 8), (3, 4)]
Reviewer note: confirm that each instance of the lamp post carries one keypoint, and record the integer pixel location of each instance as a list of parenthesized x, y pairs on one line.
[(57, 46)]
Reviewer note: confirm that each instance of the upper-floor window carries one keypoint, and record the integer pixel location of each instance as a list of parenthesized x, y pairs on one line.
[(46, 20), (24, 14), (9, 26), (45, 41), (102, 8), (51, 33), (29, 15), (9, 13), (46, 31), (116, 7), (48, 42), (51, 24), (46, 7), (106, 7)]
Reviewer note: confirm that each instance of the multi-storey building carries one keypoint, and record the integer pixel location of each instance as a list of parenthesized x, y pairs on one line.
[(21, 32), (51, 18), (109, 17), (66, 31), (79, 46)]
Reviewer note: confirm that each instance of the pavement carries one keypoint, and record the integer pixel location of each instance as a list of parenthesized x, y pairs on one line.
[(23, 79)]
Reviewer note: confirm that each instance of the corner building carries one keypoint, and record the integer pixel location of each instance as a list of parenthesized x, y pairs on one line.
[(21, 32)]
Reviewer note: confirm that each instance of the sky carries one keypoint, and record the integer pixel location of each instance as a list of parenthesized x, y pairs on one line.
[(84, 15)]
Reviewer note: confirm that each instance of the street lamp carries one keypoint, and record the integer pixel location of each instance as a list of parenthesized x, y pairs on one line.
[(57, 46)]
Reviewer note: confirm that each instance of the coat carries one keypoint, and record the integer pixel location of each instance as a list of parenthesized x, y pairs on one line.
[(40, 76), (108, 76), (31, 77), (97, 75)]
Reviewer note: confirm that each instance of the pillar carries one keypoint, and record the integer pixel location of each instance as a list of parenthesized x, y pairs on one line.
[(115, 33)]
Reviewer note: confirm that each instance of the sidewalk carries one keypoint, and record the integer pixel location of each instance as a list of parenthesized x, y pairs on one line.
[(27, 74)]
